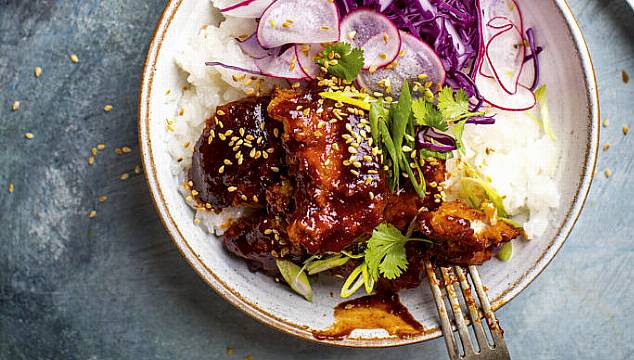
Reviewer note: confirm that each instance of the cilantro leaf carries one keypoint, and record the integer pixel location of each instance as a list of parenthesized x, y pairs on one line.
[(385, 254), (453, 105), (341, 60), (426, 114)]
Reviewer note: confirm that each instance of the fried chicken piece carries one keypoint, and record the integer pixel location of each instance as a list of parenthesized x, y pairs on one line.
[(463, 236), (403, 206), (237, 156), (340, 185), (260, 239)]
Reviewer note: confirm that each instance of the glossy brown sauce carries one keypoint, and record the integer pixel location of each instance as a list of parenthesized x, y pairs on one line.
[(379, 311)]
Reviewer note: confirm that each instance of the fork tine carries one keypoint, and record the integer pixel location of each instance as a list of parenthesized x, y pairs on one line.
[(445, 325), (474, 314), (465, 339), (492, 322)]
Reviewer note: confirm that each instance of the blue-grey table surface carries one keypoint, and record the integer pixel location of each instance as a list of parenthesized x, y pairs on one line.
[(115, 287)]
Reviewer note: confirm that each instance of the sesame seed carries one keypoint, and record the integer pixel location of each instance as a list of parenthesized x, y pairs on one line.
[(107, 108), (626, 130), (28, 135), (11, 188), (355, 172), (220, 112), (227, 162), (127, 149), (606, 147), (73, 58), (608, 173), (356, 164), (15, 106), (255, 198), (37, 71), (352, 34), (197, 221), (383, 56), (244, 197), (102, 198), (373, 69), (232, 188), (93, 151), (325, 27), (101, 147), (91, 160), (606, 122), (92, 214)]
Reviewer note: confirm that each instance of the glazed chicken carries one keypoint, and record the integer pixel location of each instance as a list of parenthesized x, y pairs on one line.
[(404, 205), (314, 182), (341, 188), (237, 156), (463, 235)]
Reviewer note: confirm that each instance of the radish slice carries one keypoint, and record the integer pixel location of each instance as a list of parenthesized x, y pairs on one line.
[(246, 8), (251, 47), (374, 33), (508, 9), (505, 54), (417, 58), (283, 66), (306, 55), (384, 4), (495, 95), (298, 21)]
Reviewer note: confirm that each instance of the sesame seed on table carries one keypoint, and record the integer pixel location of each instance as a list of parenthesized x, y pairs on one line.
[(87, 270)]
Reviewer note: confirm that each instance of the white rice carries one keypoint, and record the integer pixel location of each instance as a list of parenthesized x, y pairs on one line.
[(522, 165)]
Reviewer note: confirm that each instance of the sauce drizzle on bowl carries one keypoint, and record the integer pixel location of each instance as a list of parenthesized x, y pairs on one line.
[(379, 311)]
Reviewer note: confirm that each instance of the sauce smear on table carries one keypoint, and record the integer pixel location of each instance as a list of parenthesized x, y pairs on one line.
[(378, 311)]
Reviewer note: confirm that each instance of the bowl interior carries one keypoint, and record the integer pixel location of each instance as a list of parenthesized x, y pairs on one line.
[(566, 70)]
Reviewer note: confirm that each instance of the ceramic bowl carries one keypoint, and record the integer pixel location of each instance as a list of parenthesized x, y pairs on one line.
[(567, 70)]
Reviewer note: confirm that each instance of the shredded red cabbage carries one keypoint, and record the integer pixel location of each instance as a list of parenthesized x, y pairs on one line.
[(534, 55), (429, 138)]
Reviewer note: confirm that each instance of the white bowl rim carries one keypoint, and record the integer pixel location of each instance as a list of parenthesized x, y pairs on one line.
[(207, 274)]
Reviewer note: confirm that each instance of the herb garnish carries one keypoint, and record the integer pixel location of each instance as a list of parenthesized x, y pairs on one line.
[(385, 256), (341, 60)]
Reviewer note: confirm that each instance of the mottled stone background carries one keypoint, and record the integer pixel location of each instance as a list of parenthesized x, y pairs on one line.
[(114, 287)]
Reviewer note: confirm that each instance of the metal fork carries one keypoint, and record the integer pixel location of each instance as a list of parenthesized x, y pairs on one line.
[(485, 350)]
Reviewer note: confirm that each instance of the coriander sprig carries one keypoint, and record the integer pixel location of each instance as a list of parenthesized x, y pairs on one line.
[(341, 60), (385, 256)]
